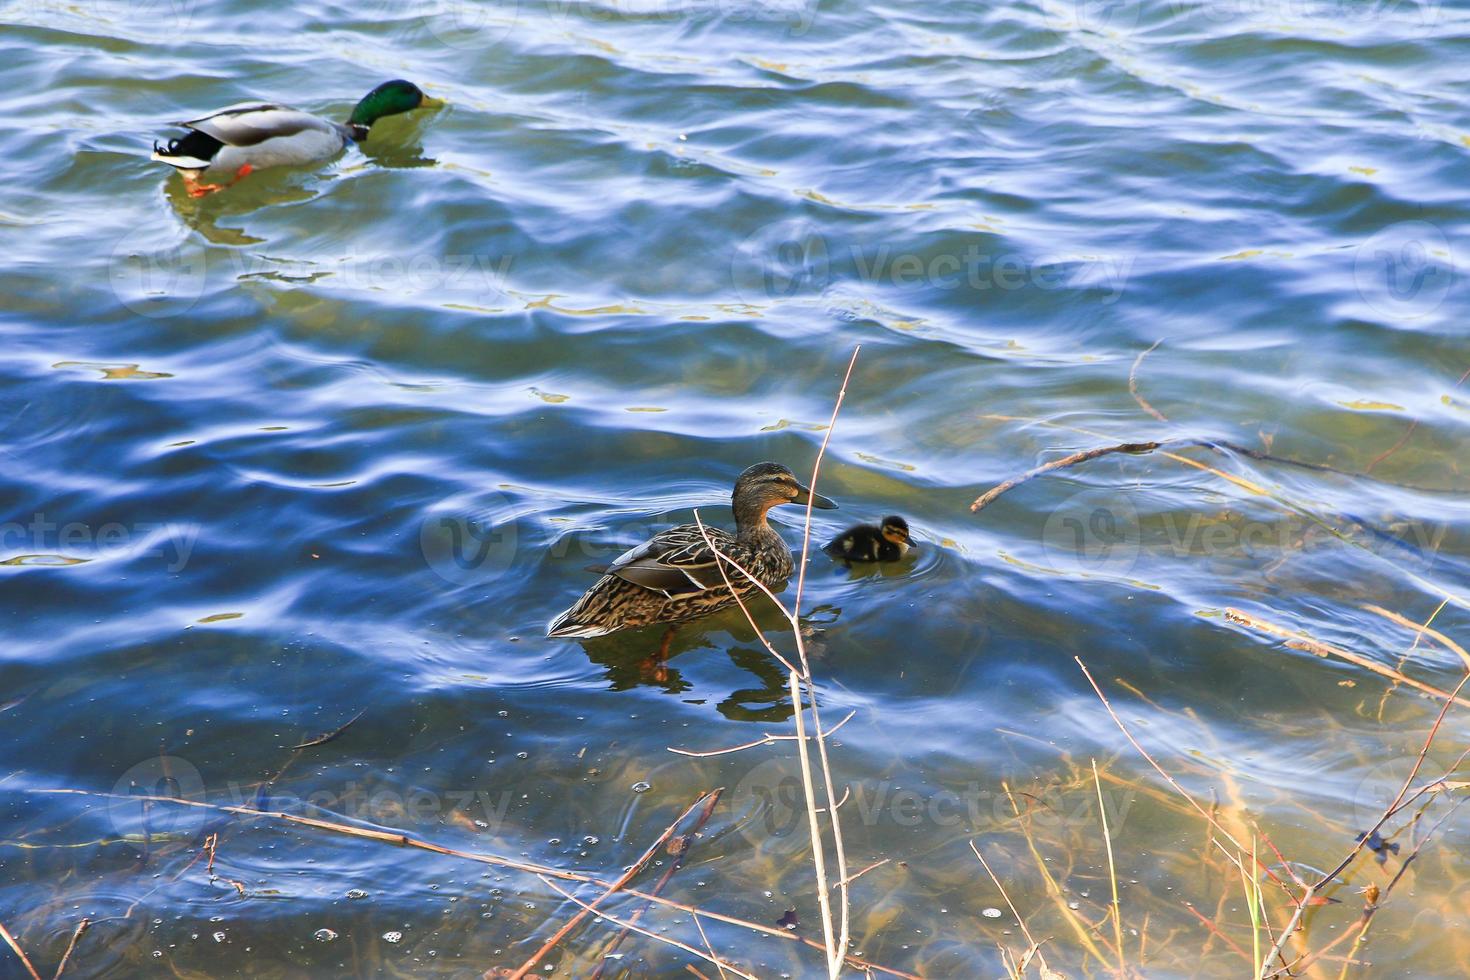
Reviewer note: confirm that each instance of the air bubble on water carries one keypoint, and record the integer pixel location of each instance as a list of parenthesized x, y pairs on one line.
[(158, 954), (356, 893), (481, 824), (523, 755), (591, 839), (392, 937), (324, 935), (219, 937), (642, 787), (991, 913), (1074, 906), (554, 841), (503, 714)]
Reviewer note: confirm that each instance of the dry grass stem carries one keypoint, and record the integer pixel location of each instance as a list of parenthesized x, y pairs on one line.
[(986, 498), (836, 945), (25, 960), (766, 739), (70, 948), (1298, 641), (1133, 384), (707, 801), (634, 927), (1423, 629), (1102, 812), (1009, 904)]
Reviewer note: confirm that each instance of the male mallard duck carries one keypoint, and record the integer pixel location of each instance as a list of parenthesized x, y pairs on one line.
[(675, 576), (255, 135), (888, 542)]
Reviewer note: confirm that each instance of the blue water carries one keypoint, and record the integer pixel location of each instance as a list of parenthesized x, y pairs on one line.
[(343, 439)]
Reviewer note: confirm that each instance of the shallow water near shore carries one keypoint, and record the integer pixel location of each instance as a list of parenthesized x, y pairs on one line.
[(331, 447)]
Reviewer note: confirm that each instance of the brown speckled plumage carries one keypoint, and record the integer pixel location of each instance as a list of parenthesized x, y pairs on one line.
[(675, 576)]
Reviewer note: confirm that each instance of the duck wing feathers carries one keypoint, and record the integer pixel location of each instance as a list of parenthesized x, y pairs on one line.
[(251, 123), (677, 561)]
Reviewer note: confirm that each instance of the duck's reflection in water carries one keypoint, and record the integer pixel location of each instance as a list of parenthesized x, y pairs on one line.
[(648, 657)]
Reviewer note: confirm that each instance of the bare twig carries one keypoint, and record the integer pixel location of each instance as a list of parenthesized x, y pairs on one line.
[(70, 947), (709, 946), (858, 874), (1102, 812), (678, 847), (988, 496), (706, 800), (634, 927), (25, 960), (326, 737), (1133, 384), (1317, 647), (766, 739), (1009, 904), (1422, 629)]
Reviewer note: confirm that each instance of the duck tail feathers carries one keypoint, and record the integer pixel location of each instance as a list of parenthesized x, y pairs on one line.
[(567, 625), (193, 151)]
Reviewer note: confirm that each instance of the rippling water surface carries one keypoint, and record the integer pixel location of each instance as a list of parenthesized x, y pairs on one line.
[(338, 442)]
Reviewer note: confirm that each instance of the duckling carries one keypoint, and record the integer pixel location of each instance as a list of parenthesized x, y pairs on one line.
[(864, 542), (255, 135), (675, 576)]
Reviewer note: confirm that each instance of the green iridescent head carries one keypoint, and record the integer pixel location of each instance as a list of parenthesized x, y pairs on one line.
[(387, 99)]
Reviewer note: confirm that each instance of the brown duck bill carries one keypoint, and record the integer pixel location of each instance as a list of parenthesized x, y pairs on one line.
[(804, 495)]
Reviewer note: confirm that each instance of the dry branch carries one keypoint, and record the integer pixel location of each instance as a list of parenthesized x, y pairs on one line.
[(634, 927), (679, 848), (707, 801), (25, 960), (1133, 384)]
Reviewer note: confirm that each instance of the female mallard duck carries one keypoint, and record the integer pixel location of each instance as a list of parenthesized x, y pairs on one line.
[(675, 576), (888, 542), (255, 135)]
